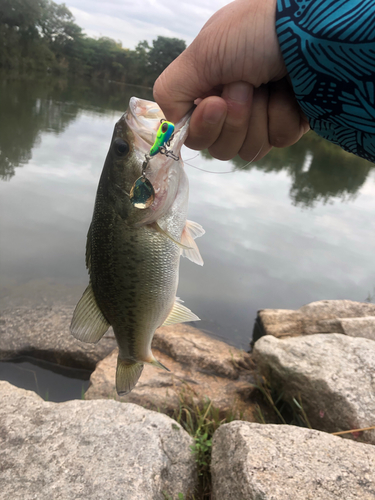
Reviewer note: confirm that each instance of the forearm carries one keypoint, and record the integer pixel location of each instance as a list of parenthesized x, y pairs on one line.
[(329, 49)]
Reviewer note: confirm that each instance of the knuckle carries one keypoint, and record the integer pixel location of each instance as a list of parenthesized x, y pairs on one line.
[(282, 139), (220, 154)]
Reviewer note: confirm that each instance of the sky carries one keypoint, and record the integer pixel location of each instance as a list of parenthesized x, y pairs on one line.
[(131, 21)]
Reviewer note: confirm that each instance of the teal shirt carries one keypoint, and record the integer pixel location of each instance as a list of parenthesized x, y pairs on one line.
[(329, 50)]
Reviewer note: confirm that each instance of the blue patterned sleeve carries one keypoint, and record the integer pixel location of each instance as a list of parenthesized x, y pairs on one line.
[(329, 50)]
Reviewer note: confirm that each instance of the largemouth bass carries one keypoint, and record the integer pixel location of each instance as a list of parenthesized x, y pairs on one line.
[(132, 253)]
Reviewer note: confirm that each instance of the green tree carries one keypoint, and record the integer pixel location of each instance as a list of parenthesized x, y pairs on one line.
[(54, 21), (20, 15), (42, 35), (149, 62), (163, 51), (18, 30)]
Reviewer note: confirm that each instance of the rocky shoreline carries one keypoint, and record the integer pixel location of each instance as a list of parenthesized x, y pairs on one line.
[(319, 359)]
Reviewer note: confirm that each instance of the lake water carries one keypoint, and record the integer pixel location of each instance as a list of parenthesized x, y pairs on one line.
[(295, 227)]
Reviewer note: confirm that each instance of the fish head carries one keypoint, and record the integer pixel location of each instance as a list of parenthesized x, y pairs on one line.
[(133, 137)]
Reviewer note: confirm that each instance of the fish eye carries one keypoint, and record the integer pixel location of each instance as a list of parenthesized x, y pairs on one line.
[(121, 147), (164, 127)]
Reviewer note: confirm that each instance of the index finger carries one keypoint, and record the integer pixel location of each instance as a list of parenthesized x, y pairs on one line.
[(178, 86)]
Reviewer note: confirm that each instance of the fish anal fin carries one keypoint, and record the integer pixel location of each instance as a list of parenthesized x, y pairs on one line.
[(127, 375), (88, 322), (180, 314), (190, 250)]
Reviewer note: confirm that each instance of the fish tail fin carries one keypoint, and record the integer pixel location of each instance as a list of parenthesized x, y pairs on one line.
[(127, 375)]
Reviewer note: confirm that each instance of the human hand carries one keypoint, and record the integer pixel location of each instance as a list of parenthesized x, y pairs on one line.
[(235, 73)]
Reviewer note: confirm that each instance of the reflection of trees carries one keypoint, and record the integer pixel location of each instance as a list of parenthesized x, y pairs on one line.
[(319, 170), (28, 108), (100, 95)]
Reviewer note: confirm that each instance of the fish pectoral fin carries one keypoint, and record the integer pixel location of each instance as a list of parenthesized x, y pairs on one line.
[(191, 231), (195, 229), (180, 314), (127, 375), (165, 233), (88, 323)]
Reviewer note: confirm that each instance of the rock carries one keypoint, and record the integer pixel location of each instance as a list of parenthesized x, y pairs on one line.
[(43, 333), (333, 374), (356, 319), (90, 450), (200, 367), (283, 462), (359, 327)]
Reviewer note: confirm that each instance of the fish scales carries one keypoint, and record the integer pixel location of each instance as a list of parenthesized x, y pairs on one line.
[(133, 254)]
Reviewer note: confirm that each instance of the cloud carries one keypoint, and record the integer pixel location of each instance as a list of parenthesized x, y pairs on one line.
[(131, 22)]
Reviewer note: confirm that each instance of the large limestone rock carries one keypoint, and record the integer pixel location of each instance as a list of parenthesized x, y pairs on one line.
[(43, 333), (281, 462), (200, 367), (356, 319), (90, 450), (333, 374)]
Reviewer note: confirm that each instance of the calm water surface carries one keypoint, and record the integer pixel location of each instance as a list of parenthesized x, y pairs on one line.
[(295, 227)]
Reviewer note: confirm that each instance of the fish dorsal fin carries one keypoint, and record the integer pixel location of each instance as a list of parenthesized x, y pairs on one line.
[(88, 323), (190, 250), (179, 314)]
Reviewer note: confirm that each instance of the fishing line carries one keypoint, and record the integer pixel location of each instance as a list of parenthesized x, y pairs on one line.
[(192, 158), (228, 171)]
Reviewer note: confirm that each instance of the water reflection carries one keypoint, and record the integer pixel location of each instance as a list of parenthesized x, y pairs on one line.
[(318, 169), (51, 382), (28, 108), (260, 250)]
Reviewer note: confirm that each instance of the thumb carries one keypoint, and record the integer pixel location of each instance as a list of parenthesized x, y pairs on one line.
[(178, 86)]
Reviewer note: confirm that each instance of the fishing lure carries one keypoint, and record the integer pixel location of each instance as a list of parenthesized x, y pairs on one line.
[(163, 137), (142, 193)]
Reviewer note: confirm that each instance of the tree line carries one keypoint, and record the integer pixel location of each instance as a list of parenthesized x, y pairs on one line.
[(41, 36)]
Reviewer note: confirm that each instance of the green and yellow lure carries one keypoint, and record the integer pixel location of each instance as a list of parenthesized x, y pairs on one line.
[(142, 193), (164, 134)]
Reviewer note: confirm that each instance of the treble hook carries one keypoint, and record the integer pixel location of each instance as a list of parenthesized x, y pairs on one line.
[(168, 153)]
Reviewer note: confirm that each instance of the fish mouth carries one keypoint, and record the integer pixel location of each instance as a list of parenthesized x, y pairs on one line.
[(144, 118)]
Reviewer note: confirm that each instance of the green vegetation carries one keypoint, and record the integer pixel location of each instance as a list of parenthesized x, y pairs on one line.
[(180, 496), (41, 36), (276, 410), (200, 420)]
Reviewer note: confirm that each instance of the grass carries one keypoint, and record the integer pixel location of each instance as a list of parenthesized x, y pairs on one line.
[(292, 413), (280, 410), (200, 420), (180, 496)]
